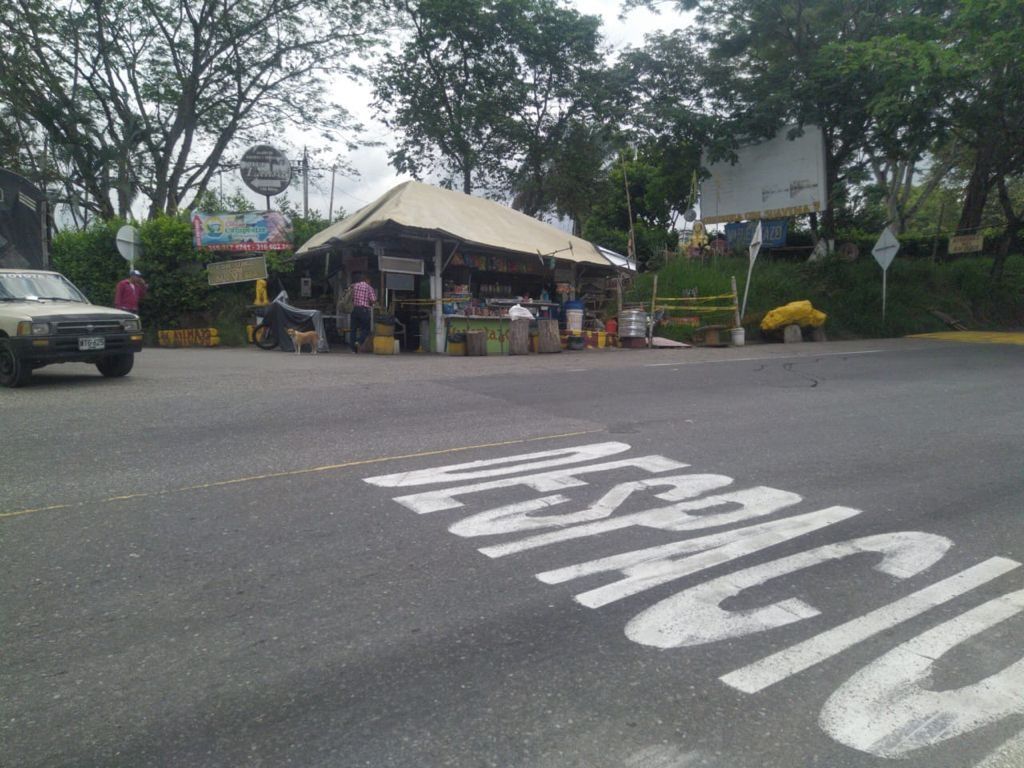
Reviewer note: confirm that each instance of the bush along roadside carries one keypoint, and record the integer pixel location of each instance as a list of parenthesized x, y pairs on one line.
[(850, 293), (179, 293)]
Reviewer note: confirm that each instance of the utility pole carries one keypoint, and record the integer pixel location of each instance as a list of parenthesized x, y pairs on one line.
[(631, 246), (305, 183), (330, 209)]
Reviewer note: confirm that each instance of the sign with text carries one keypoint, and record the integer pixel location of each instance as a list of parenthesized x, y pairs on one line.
[(237, 270), (248, 231), (265, 170), (966, 243), (773, 233)]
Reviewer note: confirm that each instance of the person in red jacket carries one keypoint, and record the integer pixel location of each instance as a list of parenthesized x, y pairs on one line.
[(130, 292)]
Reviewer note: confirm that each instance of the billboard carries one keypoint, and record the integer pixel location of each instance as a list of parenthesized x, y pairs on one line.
[(249, 231), (775, 179)]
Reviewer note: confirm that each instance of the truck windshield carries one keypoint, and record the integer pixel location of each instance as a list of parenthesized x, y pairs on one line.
[(37, 285)]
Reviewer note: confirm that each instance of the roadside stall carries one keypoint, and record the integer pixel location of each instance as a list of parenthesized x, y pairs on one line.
[(448, 267)]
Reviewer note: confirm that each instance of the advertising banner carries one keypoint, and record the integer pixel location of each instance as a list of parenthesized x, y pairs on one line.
[(249, 231)]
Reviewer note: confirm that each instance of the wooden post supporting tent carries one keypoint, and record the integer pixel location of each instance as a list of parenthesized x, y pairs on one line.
[(436, 294), (739, 320), (650, 325)]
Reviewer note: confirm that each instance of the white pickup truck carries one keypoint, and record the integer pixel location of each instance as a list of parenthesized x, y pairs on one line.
[(45, 319)]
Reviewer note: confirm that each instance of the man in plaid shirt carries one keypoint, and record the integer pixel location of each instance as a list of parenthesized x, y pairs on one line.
[(363, 298)]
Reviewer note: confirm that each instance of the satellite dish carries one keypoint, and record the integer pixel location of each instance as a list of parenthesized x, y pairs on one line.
[(128, 243), (690, 215)]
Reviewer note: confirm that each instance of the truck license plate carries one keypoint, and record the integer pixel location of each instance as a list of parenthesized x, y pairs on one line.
[(86, 343)]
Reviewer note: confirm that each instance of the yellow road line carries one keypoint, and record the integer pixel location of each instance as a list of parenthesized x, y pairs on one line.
[(974, 337), (292, 472)]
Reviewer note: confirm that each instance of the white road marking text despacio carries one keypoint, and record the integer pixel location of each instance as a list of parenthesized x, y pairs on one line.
[(884, 710)]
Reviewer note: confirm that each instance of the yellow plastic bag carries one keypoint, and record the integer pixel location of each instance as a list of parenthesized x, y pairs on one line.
[(795, 313)]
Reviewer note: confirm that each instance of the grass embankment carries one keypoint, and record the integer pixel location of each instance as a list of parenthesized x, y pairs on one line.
[(851, 293)]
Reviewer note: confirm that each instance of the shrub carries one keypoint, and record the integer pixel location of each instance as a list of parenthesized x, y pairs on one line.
[(850, 293), (90, 260), (179, 294)]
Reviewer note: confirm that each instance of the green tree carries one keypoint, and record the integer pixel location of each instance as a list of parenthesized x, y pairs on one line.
[(576, 171), (450, 90), (633, 197), (988, 112), (147, 97), (488, 92), (668, 114), (565, 90), (773, 63), (907, 76)]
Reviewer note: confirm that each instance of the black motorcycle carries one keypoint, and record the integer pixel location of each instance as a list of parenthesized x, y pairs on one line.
[(274, 320)]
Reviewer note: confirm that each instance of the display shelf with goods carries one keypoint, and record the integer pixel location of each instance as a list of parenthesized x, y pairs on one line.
[(495, 329), (600, 298)]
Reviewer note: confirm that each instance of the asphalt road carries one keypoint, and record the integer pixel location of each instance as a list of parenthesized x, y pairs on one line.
[(763, 557)]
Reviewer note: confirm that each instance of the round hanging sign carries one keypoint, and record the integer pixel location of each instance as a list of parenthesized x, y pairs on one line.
[(265, 170)]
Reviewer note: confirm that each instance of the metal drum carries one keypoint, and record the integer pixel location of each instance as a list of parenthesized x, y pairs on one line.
[(632, 324)]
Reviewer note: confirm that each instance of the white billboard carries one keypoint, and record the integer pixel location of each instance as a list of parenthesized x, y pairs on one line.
[(771, 180)]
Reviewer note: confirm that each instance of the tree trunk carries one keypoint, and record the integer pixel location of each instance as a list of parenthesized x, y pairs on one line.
[(977, 191), (519, 337), (1007, 242), (828, 218), (1010, 239), (548, 340)]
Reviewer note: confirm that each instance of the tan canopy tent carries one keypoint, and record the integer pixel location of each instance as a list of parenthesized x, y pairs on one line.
[(420, 212), (420, 209)]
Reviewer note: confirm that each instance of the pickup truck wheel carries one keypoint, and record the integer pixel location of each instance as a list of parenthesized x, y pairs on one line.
[(13, 372), (116, 366)]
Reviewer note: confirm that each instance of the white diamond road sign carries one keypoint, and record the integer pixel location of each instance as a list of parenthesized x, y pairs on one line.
[(885, 249)]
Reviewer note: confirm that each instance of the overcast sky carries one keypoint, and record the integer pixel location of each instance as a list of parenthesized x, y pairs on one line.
[(376, 176)]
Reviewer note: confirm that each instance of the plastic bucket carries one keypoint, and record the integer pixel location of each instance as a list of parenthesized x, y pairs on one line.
[(574, 320), (739, 336)]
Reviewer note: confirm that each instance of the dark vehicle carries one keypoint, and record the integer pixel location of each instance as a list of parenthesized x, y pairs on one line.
[(274, 320)]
